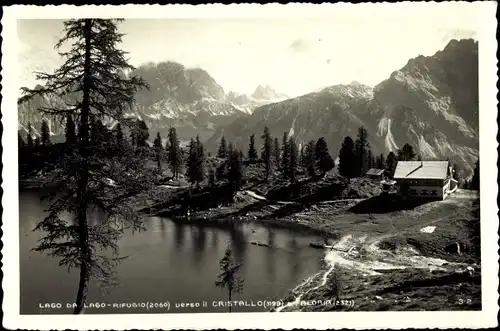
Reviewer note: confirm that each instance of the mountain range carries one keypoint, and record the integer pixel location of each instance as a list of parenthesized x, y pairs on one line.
[(189, 99), (430, 103)]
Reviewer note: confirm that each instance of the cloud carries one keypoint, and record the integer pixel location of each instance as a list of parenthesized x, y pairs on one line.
[(299, 45)]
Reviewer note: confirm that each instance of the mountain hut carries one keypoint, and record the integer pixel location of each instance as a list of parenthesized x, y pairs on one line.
[(424, 179)]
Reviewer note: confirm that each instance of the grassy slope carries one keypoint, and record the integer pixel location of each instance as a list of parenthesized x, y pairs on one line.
[(394, 234)]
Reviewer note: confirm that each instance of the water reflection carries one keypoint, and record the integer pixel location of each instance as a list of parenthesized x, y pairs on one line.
[(294, 260), (179, 235), (270, 257), (163, 230), (198, 238), (215, 238), (271, 236), (238, 241), (171, 265)]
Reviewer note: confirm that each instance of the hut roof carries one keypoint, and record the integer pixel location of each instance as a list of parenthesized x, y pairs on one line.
[(375, 172), (421, 170)]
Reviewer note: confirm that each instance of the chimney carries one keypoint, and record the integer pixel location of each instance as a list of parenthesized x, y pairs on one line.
[(420, 166)]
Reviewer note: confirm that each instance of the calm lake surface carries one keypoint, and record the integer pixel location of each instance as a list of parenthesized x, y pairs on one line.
[(171, 262)]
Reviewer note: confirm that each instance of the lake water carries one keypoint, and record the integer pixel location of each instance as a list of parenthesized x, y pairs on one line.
[(170, 262)]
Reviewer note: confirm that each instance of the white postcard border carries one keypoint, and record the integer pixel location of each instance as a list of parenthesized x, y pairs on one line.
[(355, 320)]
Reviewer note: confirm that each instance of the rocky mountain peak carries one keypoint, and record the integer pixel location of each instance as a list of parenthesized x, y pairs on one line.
[(430, 103), (266, 92), (172, 80)]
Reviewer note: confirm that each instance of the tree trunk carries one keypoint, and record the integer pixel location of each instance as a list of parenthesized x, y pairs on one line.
[(230, 300), (84, 267), (85, 254)]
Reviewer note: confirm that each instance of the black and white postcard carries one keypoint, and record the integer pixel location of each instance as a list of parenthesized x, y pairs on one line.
[(250, 166)]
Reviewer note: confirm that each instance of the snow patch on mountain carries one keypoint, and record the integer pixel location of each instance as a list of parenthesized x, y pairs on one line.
[(426, 150), (384, 130), (262, 96), (292, 130)]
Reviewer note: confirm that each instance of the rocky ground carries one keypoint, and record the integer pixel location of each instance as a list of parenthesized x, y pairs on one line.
[(424, 258)]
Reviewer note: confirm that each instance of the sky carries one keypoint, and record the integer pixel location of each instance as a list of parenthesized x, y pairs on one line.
[(293, 55)]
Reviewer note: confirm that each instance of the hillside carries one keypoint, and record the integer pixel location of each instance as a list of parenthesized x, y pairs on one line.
[(426, 257), (306, 117), (431, 103)]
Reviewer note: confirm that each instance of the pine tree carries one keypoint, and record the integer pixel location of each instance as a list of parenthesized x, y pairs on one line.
[(406, 153), (158, 146), (99, 134), (235, 171), (276, 152), (141, 134), (174, 153), (119, 138), (220, 171), (91, 72), (294, 160), (475, 183), (45, 133), (285, 155), (195, 164), (361, 149), (302, 156), (222, 152), (347, 158), (229, 152), (380, 162), (29, 137), (157, 143), (309, 159), (200, 149), (391, 163), (191, 162), (324, 160), (252, 152), (229, 277), (267, 150), (70, 131), (211, 177), (38, 142), (371, 161)]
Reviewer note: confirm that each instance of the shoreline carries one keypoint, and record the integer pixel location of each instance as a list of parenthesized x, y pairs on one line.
[(275, 223), (375, 238)]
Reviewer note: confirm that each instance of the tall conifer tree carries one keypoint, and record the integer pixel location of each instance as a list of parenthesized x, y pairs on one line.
[(92, 72), (267, 150), (252, 152), (45, 133)]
